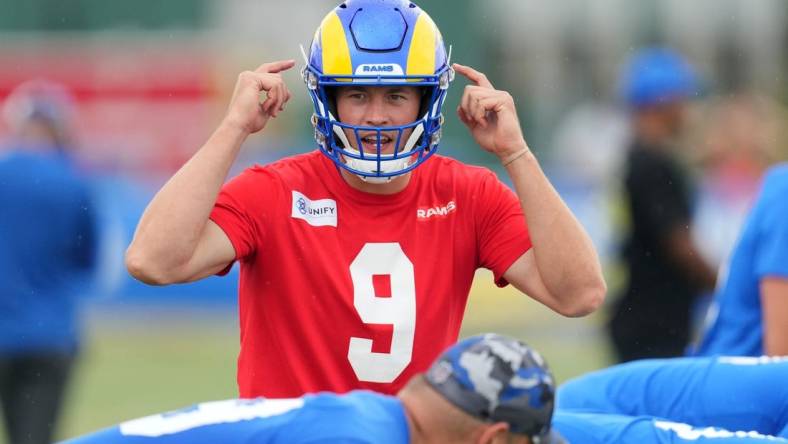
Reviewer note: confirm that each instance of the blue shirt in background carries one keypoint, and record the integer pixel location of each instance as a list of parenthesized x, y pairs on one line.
[(358, 417), (593, 428), (734, 320), (735, 393), (46, 251)]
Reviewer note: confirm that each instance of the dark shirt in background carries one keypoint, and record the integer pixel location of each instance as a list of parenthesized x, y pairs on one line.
[(652, 317)]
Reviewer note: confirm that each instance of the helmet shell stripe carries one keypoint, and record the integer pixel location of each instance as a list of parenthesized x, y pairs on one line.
[(335, 50), (421, 54)]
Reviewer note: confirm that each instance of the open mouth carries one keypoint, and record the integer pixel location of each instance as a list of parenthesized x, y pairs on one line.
[(370, 143)]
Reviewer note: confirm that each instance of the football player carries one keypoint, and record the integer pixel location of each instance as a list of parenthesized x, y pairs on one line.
[(48, 246), (665, 272), (486, 389), (735, 393), (357, 258), (749, 314), (603, 428)]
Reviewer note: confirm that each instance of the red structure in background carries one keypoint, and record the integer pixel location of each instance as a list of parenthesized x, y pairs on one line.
[(141, 110)]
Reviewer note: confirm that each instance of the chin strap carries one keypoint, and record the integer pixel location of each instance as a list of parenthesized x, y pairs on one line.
[(418, 130)]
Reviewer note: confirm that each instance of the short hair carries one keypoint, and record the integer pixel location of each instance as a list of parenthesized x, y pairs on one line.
[(457, 423)]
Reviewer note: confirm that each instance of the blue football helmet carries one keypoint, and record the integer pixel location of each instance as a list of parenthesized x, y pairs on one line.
[(377, 43)]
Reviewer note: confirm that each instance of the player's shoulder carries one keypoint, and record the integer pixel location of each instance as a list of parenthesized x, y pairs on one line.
[(357, 416), (296, 163), (364, 401), (776, 178), (771, 204), (47, 166), (287, 169), (48, 172), (448, 168)]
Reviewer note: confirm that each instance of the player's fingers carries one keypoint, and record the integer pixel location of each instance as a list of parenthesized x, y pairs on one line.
[(463, 117), (281, 98), (268, 102), (274, 67), (248, 79), (259, 81), (492, 103), (286, 98), (272, 96), (474, 76), (478, 111), (265, 106), (467, 97), (489, 107), (474, 107)]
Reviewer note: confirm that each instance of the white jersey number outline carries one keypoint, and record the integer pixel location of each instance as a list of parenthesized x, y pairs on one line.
[(399, 310)]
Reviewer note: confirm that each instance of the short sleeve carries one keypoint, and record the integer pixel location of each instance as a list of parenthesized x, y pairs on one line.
[(501, 226), (242, 208), (772, 251)]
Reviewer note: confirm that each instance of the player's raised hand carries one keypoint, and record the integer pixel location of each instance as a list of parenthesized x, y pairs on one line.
[(489, 114), (246, 110)]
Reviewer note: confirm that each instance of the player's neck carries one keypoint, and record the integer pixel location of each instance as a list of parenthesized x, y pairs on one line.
[(395, 185), (416, 430)]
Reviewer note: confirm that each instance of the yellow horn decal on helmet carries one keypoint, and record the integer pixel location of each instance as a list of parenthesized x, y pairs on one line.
[(421, 55), (336, 53)]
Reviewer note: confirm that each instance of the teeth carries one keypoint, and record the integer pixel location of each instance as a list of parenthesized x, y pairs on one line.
[(375, 140)]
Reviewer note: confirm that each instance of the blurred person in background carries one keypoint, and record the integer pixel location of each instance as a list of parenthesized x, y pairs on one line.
[(665, 270), (46, 257), (738, 138), (360, 256)]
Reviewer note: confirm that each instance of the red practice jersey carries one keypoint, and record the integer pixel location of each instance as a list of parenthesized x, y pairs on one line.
[(342, 289)]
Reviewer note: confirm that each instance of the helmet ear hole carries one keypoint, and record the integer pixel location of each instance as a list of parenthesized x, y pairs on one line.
[(331, 99), (424, 98)]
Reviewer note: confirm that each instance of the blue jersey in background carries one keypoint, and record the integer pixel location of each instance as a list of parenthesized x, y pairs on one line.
[(47, 238), (735, 393), (359, 417), (734, 320), (596, 428)]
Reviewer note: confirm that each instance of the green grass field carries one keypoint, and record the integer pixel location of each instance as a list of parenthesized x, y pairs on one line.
[(141, 362)]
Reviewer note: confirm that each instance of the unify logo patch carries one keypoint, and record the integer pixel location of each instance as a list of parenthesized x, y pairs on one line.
[(317, 213), (371, 69), (436, 211)]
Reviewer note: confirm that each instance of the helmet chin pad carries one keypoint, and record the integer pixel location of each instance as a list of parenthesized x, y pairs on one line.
[(371, 166)]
